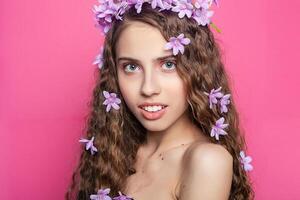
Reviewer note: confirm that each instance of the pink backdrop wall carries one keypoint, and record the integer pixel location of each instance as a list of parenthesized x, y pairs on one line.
[(46, 77)]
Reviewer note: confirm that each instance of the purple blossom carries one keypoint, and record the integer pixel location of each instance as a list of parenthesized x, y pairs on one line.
[(102, 194), (111, 101), (202, 16), (245, 160), (138, 5), (183, 7), (89, 145), (122, 197), (213, 95), (121, 8), (205, 4), (106, 11), (99, 59), (103, 25), (177, 44), (155, 3), (167, 4), (224, 102), (218, 128)]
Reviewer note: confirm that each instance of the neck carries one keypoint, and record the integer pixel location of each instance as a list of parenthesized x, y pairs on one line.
[(183, 131)]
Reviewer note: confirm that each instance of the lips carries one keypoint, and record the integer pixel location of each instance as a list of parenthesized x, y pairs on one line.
[(153, 115)]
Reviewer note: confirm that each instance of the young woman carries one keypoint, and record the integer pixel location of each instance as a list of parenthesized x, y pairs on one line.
[(163, 124)]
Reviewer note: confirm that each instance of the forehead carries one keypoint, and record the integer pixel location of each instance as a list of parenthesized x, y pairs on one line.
[(140, 40)]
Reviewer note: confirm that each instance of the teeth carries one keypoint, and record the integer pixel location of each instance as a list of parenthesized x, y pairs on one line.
[(152, 108)]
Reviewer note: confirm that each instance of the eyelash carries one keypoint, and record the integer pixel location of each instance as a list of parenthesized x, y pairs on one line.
[(126, 64)]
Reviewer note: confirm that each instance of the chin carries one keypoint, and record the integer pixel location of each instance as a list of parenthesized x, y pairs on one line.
[(155, 126)]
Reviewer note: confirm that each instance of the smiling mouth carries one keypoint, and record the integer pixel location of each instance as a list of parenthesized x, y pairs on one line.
[(154, 113)]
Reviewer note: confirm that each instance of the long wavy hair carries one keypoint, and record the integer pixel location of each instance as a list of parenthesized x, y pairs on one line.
[(118, 134)]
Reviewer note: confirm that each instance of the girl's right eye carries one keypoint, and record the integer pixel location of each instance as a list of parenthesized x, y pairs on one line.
[(129, 67)]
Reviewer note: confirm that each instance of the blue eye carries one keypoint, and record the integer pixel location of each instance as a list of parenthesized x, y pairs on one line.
[(130, 68), (169, 64)]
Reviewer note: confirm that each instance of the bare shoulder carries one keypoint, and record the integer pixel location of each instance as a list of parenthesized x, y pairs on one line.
[(203, 154), (207, 172)]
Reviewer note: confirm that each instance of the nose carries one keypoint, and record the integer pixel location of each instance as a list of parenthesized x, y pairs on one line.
[(150, 85)]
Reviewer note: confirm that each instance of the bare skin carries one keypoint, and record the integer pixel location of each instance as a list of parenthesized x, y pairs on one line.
[(158, 177), (174, 175), (165, 168)]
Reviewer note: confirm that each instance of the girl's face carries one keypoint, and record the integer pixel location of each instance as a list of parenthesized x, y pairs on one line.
[(147, 74)]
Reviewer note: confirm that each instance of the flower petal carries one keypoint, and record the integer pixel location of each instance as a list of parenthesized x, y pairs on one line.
[(115, 106), (106, 94), (185, 41), (108, 107)]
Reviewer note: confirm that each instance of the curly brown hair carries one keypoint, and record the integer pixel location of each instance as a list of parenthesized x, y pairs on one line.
[(119, 134)]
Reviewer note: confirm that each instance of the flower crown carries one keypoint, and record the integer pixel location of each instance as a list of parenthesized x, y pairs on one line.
[(108, 10), (200, 11)]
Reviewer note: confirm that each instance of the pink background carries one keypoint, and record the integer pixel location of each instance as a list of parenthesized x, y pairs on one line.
[(46, 79)]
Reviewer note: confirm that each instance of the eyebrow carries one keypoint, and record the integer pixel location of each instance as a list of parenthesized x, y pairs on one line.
[(135, 60)]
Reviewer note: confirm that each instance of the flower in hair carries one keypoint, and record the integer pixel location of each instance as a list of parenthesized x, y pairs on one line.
[(99, 59), (138, 4), (202, 16), (224, 101), (167, 5), (183, 7), (102, 194), (213, 95), (122, 197), (89, 145), (245, 160), (111, 101), (205, 4), (218, 128), (155, 3), (106, 11), (177, 44)]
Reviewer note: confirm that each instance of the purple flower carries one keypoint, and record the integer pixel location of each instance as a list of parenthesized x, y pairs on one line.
[(89, 145), (183, 7), (122, 197), (106, 11), (218, 128), (177, 44), (245, 160), (167, 4), (213, 95), (121, 8), (205, 4), (102, 194), (224, 102), (156, 3), (202, 16), (99, 59), (111, 101), (103, 25), (138, 5)]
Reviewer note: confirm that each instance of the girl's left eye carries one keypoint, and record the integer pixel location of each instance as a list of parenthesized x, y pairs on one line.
[(169, 64)]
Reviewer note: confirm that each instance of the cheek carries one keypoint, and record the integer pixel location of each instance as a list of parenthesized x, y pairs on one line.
[(176, 90), (176, 87), (128, 91)]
